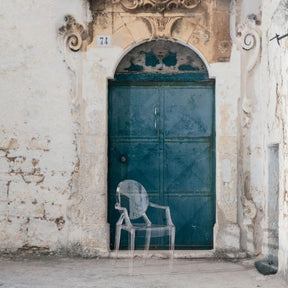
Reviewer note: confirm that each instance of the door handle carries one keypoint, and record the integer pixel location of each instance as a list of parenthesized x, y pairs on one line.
[(123, 159), (156, 114), (155, 111)]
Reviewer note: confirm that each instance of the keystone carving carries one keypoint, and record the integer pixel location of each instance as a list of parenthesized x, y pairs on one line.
[(161, 27), (74, 33), (157, 5)]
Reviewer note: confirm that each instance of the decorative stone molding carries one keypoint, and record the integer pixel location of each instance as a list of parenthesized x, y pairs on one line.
[(74, 33), (198, 23), (157, 5), (250, 39)]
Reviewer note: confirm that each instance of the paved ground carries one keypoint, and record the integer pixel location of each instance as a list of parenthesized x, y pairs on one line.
[(105, 273)]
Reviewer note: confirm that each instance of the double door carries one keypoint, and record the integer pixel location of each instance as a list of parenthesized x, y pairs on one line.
[(163, 137)]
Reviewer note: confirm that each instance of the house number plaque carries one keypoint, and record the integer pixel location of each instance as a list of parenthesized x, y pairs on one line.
[(103, 40)]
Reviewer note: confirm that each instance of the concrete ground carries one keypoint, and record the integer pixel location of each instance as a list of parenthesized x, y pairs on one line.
[(24, 272)]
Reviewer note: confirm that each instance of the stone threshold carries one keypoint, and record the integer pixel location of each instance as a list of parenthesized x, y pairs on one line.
[(180, 254)]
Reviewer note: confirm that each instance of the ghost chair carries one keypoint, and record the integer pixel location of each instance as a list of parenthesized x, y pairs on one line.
[(132, 203)]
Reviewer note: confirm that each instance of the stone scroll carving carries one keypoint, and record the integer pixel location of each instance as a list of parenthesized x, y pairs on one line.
[(74, 34), (250, 40), (157, 5)]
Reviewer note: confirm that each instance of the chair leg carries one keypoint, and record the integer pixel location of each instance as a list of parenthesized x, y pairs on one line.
[(132, 247), (132, 242), (117, 239), (147, 243), (172, 246), (172, 239)]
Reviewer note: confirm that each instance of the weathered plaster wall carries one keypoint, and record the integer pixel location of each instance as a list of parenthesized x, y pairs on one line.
[(227, 93), (38, 152), (275, 62)]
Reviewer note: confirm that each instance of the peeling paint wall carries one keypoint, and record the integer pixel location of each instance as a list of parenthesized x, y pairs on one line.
[(275, 91)]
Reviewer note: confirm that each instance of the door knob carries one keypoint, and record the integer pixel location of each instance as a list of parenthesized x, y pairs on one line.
[(123, 159)]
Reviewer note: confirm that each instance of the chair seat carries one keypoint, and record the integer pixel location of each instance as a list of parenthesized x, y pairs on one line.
[(154, 229)]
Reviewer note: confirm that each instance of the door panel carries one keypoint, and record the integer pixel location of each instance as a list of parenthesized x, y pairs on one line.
[(165, 134), (142, 160), (188, 168), (194, 220), (132, 111), (188, 111)]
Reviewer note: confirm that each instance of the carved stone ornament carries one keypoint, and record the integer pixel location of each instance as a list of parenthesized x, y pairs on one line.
[(157, 5), (74, 33)]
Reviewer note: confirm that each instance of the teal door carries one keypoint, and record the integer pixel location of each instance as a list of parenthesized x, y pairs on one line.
[(163, 137)]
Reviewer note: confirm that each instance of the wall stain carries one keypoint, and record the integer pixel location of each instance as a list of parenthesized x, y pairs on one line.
[(8, 188), (32, 249), (60, 222)]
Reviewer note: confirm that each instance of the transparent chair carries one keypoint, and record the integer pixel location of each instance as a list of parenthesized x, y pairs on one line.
[(132, 203)]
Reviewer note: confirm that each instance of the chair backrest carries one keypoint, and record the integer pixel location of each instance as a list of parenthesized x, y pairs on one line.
[(136, 195)]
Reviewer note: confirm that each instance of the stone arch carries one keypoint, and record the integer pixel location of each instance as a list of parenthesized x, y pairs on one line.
[(161, 57), (189, 52)]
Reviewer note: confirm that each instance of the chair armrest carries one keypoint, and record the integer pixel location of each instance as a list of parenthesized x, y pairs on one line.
[(157, 206), (119, 208), (167, 211), (124, 215)]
